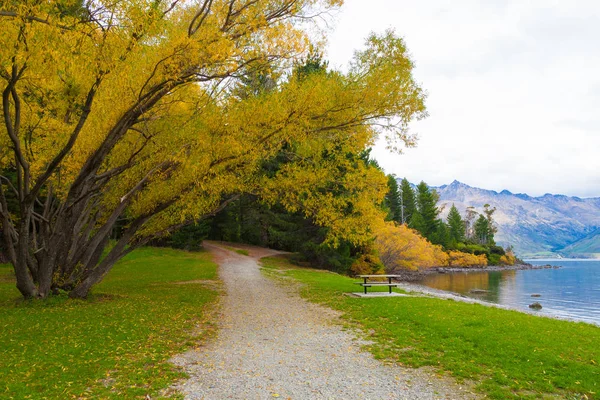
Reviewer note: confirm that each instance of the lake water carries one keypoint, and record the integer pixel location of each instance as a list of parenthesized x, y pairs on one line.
[(572, 291)]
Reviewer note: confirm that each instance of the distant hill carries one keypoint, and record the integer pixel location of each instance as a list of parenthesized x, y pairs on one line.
[(588, 246), (545, 226)]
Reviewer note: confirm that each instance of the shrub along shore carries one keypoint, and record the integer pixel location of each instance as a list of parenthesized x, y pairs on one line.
[(507, 354)]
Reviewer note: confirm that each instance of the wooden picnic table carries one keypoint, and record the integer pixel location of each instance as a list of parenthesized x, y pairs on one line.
[(369, 282)]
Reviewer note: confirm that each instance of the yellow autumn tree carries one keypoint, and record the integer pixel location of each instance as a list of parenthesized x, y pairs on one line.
[(508, 259), (121, 111), (460, 259), (402, 248)]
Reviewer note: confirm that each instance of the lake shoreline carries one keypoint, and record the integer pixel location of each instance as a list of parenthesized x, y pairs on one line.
[(569, 291), (448, 295), (416, 276)]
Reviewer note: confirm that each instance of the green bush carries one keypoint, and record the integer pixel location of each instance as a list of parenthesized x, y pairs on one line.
[(497, 250), (327, 257), (476, 249), (494, 259)]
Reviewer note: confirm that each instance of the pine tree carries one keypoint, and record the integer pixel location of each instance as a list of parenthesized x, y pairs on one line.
[(456, 225), (489, 212), (393, 200), (407, 201), (482, 230), (427, 206), (442, 235), (312, 64), (416, 222)]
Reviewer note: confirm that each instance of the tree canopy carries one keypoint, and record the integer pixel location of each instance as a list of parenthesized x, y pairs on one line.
[(400, 248), (122, 111)]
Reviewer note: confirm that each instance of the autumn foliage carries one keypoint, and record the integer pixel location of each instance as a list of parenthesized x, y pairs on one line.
[(508, 259), (367, 264), (122, 114), (402, 248), (460, 259)]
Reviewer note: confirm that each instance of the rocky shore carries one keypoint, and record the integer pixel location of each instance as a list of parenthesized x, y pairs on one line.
[(415, 276)]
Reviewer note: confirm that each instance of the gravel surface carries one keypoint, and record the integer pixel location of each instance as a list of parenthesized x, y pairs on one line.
[(272, 343)]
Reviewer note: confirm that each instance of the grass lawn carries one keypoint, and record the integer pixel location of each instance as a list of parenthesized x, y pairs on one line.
[(509, 354), (115, 344), (239, 251)]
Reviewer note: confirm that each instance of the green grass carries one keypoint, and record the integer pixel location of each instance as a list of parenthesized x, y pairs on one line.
[(239, 251), (115, 344), (508, 354)]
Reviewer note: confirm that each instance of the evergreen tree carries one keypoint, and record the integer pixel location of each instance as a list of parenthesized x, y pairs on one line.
[(365, 156), (456, 225), (313, 64), (482, 230), (392, 200), (427, 206), (442, 235), (489, 212), (259, 80), (407, 201), (416, 221)]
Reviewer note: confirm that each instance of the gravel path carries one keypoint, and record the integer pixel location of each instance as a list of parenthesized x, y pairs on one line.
[(272, 343)]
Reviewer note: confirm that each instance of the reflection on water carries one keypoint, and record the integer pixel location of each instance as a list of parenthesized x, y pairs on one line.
[(472, 283), (572, 291)]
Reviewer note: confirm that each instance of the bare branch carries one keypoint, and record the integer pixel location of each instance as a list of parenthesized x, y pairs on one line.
[(199, 18), (10, 185), (170, 8)]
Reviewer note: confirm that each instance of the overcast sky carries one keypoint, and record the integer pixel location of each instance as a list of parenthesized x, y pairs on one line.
[(513, 90)]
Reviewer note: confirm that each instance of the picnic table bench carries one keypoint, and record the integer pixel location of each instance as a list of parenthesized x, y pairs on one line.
[(368, 281)]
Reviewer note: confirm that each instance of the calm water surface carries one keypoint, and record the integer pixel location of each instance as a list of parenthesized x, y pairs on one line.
[(572, 291)]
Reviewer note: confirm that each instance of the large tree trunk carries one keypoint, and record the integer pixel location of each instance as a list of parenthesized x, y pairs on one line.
[(25, 282)]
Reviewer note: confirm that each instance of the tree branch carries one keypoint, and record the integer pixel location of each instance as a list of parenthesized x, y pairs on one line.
[(13, 127), (30, 18), (199, 18), (87, 108)]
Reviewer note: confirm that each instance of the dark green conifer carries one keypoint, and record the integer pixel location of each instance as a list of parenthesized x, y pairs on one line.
[(427, 206), (392, 200), (416, 221), (456, 225), (407, 201), (489, 212), (482, 230), (442, 235)]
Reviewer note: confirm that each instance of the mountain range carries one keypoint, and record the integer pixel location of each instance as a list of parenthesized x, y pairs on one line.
[(536, 227)]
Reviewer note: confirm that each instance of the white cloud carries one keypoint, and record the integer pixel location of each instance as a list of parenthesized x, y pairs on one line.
[(514, 90)]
